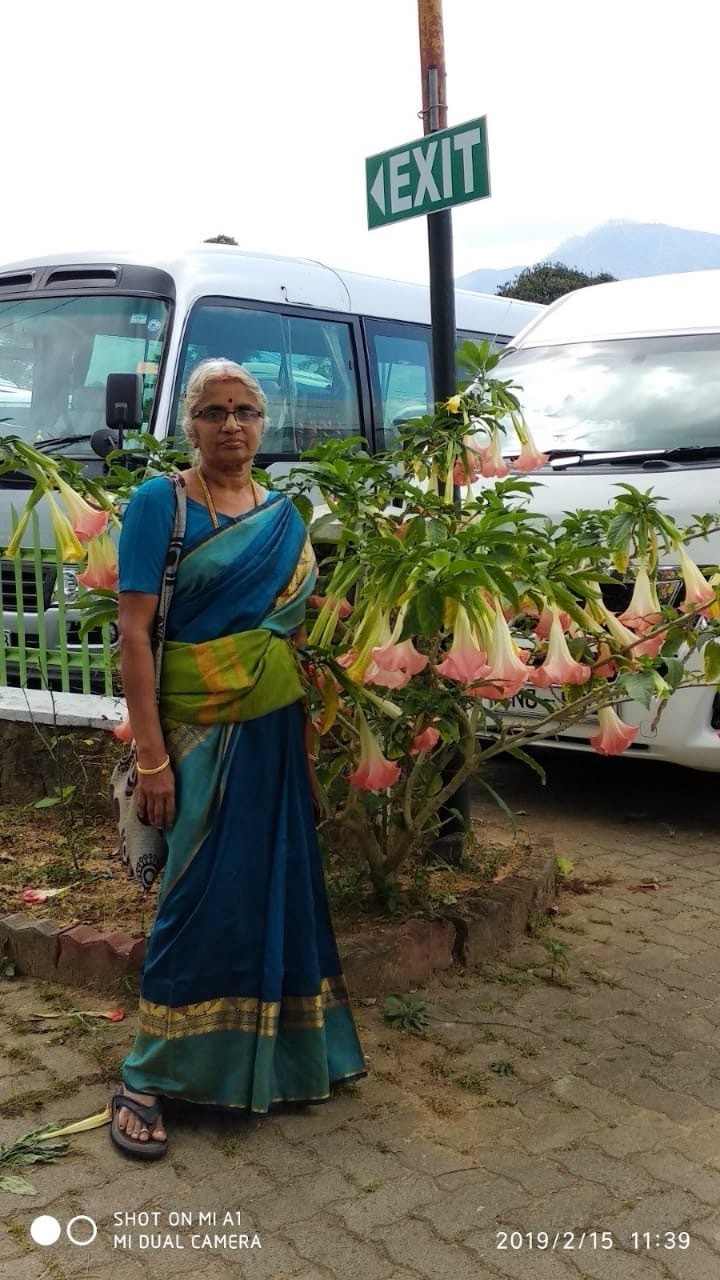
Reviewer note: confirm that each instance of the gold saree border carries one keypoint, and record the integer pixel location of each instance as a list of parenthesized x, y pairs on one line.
[(243, 1013), (306, 565)]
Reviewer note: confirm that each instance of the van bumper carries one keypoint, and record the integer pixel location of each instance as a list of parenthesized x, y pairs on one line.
[(683, 735)]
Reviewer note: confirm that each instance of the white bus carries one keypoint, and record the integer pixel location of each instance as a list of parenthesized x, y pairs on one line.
[(337, 355)]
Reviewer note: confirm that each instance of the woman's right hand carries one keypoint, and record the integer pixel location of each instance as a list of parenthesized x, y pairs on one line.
[(155, 798)]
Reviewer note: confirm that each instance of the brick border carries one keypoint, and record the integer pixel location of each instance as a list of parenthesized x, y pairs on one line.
[(392, 958)]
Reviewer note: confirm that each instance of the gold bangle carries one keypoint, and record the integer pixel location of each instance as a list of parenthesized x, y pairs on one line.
[(159, 768)]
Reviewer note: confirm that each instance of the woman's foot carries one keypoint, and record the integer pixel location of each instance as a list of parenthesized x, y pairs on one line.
[(131, 1124)]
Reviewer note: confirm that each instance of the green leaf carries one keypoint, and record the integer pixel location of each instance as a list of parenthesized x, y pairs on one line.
[(16, 1186), (674, 672), (429, 610), (641, 687), (711, 661), (48, 802), (303, 504)]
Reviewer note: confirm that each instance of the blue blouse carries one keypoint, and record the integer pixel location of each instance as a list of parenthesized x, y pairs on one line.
[(145, 534)]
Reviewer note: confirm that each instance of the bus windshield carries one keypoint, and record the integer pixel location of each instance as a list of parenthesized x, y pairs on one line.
[(56, 354)]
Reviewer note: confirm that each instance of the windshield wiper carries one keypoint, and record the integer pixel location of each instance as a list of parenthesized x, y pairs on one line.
[(44, 446), (631, 458)]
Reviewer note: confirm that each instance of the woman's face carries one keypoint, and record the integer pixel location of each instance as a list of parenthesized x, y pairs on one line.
[(223, 439)]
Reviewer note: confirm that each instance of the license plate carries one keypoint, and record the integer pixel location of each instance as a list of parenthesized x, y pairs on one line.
[(526, 703)]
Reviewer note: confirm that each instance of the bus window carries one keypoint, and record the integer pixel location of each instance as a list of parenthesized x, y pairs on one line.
[(400, 374), (306, 368)]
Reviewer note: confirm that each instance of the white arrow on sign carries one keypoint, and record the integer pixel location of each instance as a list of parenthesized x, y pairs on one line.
[(377, 190)]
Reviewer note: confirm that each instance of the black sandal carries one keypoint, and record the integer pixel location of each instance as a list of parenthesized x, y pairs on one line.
[(154, 1148)]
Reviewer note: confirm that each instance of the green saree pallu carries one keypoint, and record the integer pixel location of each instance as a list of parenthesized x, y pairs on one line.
[(243, 1003)]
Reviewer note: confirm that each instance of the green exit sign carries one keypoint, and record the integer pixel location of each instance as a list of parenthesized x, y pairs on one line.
[(439, 170)]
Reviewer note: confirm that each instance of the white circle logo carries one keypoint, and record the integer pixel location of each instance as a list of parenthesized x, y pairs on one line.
[(45, 1230), (81, 1217)]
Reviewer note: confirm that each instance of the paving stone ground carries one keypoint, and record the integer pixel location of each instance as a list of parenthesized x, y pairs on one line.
[(572, 1107)]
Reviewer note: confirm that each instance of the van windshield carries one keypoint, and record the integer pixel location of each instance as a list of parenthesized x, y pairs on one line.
[(634, 393), (56, 354)]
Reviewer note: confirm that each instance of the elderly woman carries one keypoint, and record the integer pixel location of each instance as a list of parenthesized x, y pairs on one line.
[(242, 1003)]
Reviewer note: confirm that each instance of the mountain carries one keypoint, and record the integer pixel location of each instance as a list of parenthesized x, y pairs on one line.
[(625, 249)]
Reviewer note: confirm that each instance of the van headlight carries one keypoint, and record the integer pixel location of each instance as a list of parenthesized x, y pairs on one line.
[(69, 583)]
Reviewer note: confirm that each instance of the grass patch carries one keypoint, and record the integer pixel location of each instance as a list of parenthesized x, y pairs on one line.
[(472, 1082), (599, 977), (19, 1053), (438, 1066), (528, 1050), (229, 1146), (507, 975), (21, 1102)]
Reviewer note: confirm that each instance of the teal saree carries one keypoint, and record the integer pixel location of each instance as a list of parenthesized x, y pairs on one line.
[(243, 1003)]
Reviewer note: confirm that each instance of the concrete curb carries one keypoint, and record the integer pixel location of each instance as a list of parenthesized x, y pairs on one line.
[(391, 958)]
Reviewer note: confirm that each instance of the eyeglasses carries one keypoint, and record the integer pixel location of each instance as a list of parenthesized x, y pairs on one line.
[(214, 416)]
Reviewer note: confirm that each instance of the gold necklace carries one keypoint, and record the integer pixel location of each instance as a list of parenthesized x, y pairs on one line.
[(209, 501)]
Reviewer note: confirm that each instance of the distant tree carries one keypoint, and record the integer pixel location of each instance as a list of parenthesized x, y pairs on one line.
[(547, 281), (220, 240)]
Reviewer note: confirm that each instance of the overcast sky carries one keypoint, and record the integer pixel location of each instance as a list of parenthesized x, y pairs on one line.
[(133, 123)]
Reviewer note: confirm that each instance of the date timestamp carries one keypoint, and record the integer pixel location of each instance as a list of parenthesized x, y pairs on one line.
[(589, 1240)]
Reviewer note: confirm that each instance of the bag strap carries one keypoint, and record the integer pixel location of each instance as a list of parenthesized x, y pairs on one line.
[(172, 561)]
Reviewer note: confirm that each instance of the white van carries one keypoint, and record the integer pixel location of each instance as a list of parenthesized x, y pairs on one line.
[(337, 354), (621, 382)]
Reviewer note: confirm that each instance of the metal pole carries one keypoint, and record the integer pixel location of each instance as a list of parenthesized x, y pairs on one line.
[(442, 316)]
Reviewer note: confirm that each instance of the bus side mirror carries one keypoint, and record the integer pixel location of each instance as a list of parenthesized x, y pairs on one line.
[(123, 402)]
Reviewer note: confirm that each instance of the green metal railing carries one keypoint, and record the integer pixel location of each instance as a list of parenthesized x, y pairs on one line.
[(42, 645)]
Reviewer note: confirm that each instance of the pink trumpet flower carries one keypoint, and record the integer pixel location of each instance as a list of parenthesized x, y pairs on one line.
[(469, 466), (465, 662), (424, 741), (492, 462), (699, 595), (101, 568), (400, 657), (530, 458), (375, 674), (123, 732), (542, 630), (559, 666), (614, 736), (87, 521), (607, 668), (651, 648), (643, 610), (374, 772), (507, 673)]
